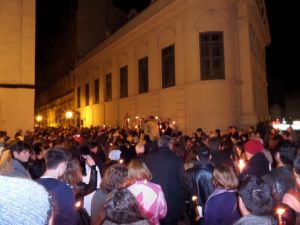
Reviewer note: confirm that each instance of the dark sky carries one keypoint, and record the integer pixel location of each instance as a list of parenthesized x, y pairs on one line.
[(283, 62)]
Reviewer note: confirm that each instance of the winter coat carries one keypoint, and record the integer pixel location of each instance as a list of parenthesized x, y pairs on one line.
[(167, 170), (221, 208)]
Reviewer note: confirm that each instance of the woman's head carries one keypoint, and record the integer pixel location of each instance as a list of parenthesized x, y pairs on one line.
[(114, 176), (73, 174), (137, 170), (121, 207), (225, 177)]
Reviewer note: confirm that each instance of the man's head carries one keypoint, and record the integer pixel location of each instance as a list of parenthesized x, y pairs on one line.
[(286, 152), (56, 159), (253, 147), (255, 197), (20, 151), (164, 141), (214, 144), (139, 148)]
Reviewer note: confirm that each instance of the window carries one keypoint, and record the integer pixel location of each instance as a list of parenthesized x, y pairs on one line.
[(108, 87), (168, 66), (123, 81), (96, 90), (143, 75), (87, 94), (212, 55), (78, 97)]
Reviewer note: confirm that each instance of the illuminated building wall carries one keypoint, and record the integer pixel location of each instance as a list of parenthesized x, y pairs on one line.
[(219, 61), (17, 65)]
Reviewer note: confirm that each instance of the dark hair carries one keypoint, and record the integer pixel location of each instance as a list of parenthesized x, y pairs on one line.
[(297, 165), (203, 152), (121, 207), (19, 146), (287, 152), (54, 157), (256, 196), (214, 144), (225, 177), (93, 144), (164, 141), (114, 176)]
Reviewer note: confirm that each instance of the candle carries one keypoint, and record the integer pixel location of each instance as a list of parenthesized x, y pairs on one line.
[(121, 161), (241, 164), (174, 122), (198, 208), (78, 204), (280, 212), (156, 117)]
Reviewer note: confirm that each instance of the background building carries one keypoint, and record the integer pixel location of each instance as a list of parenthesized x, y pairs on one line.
[(17, 61), (198, 62)]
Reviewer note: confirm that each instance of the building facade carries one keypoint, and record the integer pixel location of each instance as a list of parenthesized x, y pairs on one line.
[(198, 62), (17, 65)]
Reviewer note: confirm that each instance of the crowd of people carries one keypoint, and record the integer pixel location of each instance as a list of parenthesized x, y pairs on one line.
[(102, 175)]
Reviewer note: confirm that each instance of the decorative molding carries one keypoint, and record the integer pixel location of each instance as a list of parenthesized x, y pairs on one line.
[(24, 86)]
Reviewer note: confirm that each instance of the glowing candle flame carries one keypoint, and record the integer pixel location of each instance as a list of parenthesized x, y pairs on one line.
[(78, 204), (280, 212), (241, 165), (121, 161), (194, 198)]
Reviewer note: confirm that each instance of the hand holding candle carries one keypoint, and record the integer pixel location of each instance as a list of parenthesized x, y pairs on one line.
[(280, 212)]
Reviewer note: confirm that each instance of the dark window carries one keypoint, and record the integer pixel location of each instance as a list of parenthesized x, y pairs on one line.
[(78, 97), (168, 66), (123, 82), (212, 55), (96, 90), (143, 75), (108, 87), (87, 94)]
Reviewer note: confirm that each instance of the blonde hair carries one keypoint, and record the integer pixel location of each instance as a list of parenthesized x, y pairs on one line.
[(137, 170), (225, 177), (6, 163)]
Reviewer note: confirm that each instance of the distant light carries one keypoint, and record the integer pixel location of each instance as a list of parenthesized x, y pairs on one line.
[(78, 204), (194, 198), (174, 122), (156, 117), (121, 161), (296, 125), (39, 118), (69, 114)]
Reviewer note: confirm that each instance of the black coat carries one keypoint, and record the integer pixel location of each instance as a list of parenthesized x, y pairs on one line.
[(257, 166), (167, 170), (198, 181)]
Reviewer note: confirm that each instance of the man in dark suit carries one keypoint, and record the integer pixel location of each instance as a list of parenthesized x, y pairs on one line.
[(167, 170)]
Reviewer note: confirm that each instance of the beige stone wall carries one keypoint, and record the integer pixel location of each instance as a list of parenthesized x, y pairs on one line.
[(17, 64), (192, 102)]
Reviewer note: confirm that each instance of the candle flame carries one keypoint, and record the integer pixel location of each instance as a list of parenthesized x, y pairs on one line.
[(121, 161), (280, 211), (194, 198)]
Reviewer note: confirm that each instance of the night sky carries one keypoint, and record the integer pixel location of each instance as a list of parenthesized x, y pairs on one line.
[(283, 64)]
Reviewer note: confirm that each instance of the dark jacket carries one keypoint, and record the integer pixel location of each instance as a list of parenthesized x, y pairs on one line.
[(198, 181), (81, 189), (252, 219), (281, 180), (167, 170), (257, 166), (221, 208)]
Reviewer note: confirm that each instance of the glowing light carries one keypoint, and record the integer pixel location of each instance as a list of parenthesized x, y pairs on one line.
[(104, 125), (110, 144), (137, 117), (136, 126), (121, 161), (296, 125), (163, 130), (156, 117), (194, 198), (160, 126), (241, 165), (78, 204), (280, 212), (174, 122), (69, 114), (128, 119), (39, 118)]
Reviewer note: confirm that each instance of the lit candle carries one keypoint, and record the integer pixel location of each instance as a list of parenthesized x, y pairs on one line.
[(280, 212), (174, 122), (156, 117), (121, 161), (78, 204), (160, 126), (198, 208), (241, 165), (163, 130)]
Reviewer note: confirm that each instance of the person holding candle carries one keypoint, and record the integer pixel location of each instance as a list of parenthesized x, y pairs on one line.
[(221, 206), (255, 202)]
